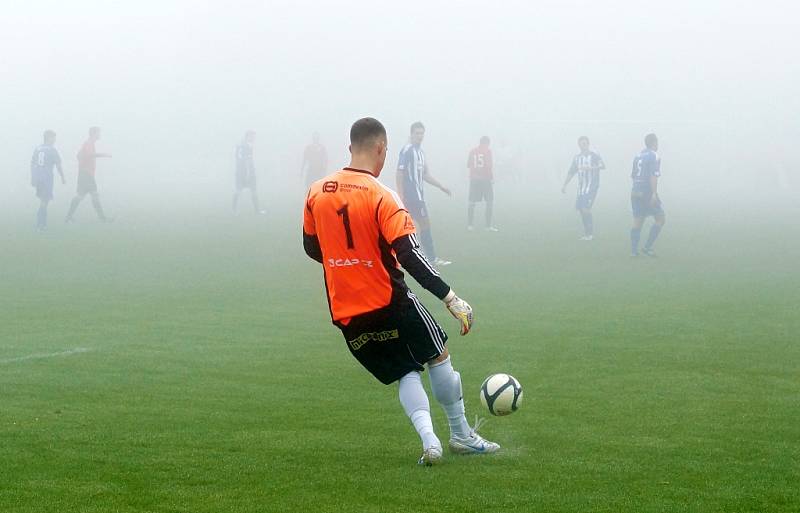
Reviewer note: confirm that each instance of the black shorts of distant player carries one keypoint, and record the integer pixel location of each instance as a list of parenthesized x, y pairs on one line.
[(394, 340), (86, 184), (481, 189), (245, 180), (418, 210)]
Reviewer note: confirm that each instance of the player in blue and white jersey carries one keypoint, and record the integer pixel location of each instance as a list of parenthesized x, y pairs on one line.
[(412, 172), (587, 166), (45, 158), (644, 195), (246, 172)]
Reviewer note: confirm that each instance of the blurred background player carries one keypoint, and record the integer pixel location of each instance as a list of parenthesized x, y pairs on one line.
[(246, 172), (87, 164), (644, 195), (358, 229), (315, 161), (44, 158), (412, 171), (479, 164), (587, 165)]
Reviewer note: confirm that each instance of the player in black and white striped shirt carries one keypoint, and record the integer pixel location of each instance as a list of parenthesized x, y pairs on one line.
[(587, 165), (412, 173)]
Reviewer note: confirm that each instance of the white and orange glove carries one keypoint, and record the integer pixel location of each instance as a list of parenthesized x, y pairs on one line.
[(459, 309)]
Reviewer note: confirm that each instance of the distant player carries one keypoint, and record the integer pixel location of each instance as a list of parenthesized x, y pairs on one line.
[(359, 230), (44, 158), (315, 161), (644, 196), (412, 171), (246, 172), (587, 165), (481, 178), (87, 164)]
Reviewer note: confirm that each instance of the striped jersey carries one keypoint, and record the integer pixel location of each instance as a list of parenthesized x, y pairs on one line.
[(587, 166), (412, 165)]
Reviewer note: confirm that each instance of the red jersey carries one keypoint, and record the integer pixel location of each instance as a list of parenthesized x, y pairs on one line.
[(479, 163), (87, 158), (317, 158)]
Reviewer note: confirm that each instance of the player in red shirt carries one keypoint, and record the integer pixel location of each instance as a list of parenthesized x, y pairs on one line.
[(361, 233), (87, 164), (315, 161), (481, 178)]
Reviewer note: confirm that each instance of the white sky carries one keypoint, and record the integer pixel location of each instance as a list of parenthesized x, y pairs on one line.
[(199, 72)]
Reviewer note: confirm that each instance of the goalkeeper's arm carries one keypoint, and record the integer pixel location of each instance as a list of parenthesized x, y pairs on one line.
[(408, 254), (312, 247)]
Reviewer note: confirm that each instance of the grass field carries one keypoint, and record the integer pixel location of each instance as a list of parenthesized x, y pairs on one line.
[(188, 365)]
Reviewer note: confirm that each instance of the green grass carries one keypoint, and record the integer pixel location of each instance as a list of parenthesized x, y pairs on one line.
[(213, 381)]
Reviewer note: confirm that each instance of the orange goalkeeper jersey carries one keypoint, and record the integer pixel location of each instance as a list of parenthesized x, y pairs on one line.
[(356, 219)]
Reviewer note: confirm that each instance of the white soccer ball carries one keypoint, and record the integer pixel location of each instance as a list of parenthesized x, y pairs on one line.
[(501, 394)]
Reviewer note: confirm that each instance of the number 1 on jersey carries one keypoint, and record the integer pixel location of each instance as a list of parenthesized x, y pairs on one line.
[(347, 231)]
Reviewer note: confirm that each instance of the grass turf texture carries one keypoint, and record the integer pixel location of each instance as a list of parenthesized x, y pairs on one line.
[(212, 380)]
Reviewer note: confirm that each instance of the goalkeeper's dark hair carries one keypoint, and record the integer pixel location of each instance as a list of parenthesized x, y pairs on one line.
[(366, 132), (485, 140), (650, 140), (48, 135), (583, 138), (415, 125)]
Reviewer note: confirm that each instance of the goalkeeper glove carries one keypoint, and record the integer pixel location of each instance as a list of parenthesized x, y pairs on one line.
[(459, 309)]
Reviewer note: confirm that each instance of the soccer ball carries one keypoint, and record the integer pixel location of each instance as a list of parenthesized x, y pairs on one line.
[(501, 394)]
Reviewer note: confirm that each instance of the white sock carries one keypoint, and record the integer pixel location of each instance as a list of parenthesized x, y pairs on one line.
[(446, 388), (416, 405)]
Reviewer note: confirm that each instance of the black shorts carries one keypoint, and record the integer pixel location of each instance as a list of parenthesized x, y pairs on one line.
[(395, 340), (245, 180), (418, 210), (480, 189), (86, 184)]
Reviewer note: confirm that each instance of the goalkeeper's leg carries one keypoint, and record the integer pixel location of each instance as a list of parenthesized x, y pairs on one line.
[(415, 404), (446, 388)]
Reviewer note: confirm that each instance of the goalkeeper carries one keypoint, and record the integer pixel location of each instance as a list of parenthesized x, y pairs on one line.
[(359, 230)]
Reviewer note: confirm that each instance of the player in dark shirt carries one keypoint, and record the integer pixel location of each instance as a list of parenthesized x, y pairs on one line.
[(45, 158), (246, 172), (645, 201)]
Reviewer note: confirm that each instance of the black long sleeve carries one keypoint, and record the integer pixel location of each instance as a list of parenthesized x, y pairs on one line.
[(312, 247), (408, 254)]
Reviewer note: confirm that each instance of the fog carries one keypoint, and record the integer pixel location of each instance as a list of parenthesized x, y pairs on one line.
[(174, 85)]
